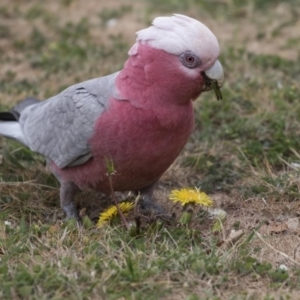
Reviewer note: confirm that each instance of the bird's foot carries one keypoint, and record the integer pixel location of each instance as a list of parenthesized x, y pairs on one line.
[(71, 212), (150, 208)]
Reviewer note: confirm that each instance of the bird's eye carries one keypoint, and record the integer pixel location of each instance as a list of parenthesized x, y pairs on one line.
[(190, 60)]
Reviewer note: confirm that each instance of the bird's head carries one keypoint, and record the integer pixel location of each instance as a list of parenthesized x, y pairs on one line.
[(193, 47)]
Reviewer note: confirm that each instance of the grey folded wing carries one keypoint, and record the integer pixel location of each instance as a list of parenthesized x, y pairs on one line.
[(61, 127)]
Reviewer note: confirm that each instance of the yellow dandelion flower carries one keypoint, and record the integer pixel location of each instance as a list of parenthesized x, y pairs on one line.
[(110, 213), (190, 196)]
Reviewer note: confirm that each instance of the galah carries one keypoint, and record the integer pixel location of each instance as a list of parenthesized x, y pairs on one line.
[(138, 119)]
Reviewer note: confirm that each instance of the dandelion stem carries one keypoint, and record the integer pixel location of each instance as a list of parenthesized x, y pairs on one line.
[(115, 200)]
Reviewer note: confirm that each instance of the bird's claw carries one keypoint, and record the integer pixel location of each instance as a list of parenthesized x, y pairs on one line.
[(71, 212), (150, 208)]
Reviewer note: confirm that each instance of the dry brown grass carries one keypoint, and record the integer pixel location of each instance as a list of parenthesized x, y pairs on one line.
[(262, 190)]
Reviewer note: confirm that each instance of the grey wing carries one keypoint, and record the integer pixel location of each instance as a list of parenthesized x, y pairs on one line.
[(60, 127)]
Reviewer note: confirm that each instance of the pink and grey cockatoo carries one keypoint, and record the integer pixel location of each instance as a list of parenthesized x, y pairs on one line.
[(139, 118)]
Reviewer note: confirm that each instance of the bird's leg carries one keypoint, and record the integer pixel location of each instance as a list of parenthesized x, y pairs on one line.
[(68, 191), (147, 205)]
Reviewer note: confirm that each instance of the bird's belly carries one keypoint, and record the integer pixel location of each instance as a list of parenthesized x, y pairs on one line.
[(132, 148), (142, 163)]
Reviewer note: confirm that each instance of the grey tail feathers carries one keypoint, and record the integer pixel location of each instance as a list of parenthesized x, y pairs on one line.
[(17, 109), (15, 113), (9, 125)]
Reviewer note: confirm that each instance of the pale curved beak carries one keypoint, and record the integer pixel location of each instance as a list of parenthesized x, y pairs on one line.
[(214, 78)]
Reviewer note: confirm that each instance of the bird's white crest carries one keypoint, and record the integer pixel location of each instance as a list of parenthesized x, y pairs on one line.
[(177, 34)]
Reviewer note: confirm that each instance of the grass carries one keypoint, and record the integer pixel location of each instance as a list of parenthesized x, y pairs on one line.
[(55, 261), (244, 153)]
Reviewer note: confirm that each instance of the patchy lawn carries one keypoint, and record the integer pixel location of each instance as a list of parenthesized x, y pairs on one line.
[(244, 153)]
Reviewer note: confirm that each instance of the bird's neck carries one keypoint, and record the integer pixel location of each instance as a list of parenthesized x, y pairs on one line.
[(153, 76)]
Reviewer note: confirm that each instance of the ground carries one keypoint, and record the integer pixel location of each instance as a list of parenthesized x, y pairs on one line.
[(244, 153)]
